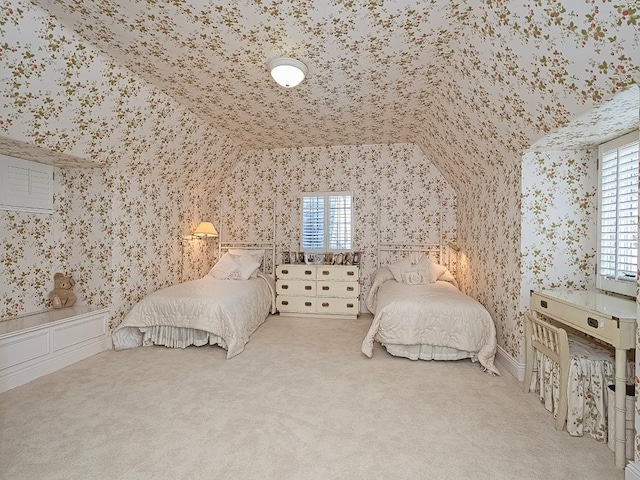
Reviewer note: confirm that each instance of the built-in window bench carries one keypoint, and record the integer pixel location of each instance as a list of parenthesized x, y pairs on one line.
[(34, 345)]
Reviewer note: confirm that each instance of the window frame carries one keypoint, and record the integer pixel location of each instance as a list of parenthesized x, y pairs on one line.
[(608, 283), (326, 239)]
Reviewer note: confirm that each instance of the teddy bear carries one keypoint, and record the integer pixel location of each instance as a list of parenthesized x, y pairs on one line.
[(62, 295)]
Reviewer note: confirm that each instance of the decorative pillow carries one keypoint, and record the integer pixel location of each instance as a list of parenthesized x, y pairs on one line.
[(249, 266), (435, 271), (227, 268), (411, 271), (248, 259)]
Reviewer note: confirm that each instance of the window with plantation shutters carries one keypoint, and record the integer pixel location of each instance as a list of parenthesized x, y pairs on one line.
[(618, 215), (326, 221), (25, 186)]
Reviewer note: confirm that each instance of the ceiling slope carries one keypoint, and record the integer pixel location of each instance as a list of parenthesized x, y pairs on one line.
[(473, 83)]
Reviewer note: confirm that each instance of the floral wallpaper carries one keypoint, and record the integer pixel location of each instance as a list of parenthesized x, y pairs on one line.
[(559, 221), (160, 113), (136, 172), (398, 195)]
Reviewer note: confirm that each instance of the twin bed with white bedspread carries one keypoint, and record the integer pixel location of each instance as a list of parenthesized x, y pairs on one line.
[(419, 313), (222, 308)]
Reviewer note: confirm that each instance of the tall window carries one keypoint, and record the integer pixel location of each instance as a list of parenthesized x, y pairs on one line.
[(326, 221), (618, 215)]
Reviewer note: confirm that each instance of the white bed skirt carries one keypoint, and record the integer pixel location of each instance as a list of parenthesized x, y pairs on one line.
[(429, 352), (178, 337)]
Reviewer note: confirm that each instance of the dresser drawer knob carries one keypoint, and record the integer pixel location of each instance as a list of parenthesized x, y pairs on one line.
[(325, 288), (349, 289), (308, 272), (307, 304), (325, 304), (592, 322), (284, 302), (351, 273), (543, 303), (349, 305), (284, 287), (285, 272), (307, 287), (326, 272)]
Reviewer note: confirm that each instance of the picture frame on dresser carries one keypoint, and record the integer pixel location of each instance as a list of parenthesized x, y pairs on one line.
[(328, 258), (356, 258), (286, 257)]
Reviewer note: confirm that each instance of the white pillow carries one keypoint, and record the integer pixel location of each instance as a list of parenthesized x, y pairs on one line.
[(227, 268), (247, 260), (249, 266), (414, 272), (254, 253), (435, 271)]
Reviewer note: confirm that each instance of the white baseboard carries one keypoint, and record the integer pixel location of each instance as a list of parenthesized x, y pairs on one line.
[(510, 364), (632, 471)]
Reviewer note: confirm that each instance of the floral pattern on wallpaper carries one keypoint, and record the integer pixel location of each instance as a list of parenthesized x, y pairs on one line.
[(377, 70), (398, 195), (117, 229), (559, 221), (483, 81)]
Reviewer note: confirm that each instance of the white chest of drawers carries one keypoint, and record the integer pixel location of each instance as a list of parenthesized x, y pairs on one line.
[(318, 290)]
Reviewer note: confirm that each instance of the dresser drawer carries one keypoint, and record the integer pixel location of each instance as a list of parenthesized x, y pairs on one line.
[(304, 272), (296, 287), (620, 334), (338, 289), (338, 272), (338, 306), (597, 326), (297, 304), (547, 306)]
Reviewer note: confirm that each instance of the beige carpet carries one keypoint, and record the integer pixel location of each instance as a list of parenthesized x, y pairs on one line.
[(301, 402)]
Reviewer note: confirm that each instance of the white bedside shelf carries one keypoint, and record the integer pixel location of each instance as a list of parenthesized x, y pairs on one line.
[(34, 345)]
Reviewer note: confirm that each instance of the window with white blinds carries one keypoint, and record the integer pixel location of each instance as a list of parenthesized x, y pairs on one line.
[(618, 215), (326, 221)]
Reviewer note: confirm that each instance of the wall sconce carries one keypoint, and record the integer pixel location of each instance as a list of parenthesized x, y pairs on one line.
[(205, 230)]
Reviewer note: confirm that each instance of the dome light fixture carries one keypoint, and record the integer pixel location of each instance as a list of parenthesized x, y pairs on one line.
[(287, 72)]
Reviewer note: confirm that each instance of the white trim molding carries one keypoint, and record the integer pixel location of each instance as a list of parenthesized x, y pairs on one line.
[(510, 364), (632, 471)]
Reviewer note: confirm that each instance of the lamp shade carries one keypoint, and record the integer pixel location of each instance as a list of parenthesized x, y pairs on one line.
[(205, 229), (287, 72)]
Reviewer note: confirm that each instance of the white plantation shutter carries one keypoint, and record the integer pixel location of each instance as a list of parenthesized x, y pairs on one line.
[(339, 222), (25, 185), (326, 221), (618, 216), (312, 222)]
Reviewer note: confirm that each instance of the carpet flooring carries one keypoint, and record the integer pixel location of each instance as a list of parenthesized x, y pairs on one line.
[(301, 402)]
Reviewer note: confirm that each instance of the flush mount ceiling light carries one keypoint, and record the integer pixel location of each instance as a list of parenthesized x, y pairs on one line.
[(287, 72)]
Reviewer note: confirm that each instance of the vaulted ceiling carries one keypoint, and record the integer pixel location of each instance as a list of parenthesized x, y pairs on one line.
[(379, 71)]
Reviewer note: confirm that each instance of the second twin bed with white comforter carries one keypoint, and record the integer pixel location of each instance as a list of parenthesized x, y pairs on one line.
[(419, 313)]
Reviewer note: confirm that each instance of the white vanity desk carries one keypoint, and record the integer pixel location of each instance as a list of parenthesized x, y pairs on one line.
[(605, 317)]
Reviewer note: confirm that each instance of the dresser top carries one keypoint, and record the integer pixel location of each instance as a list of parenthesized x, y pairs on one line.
[(594, 301)]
